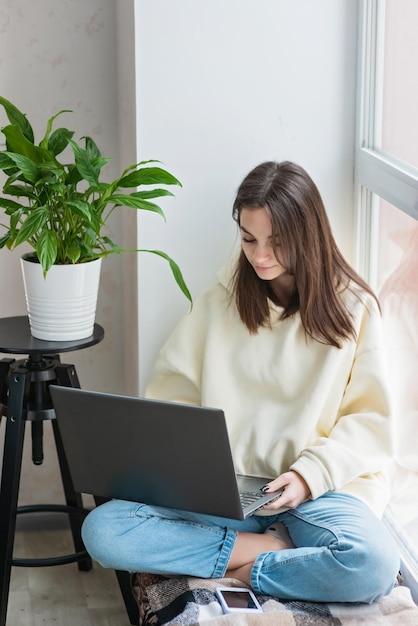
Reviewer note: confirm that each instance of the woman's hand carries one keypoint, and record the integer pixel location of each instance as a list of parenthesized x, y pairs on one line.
[(295, 491)]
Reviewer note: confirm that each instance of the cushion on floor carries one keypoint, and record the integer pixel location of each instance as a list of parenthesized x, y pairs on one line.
[(187, 601)]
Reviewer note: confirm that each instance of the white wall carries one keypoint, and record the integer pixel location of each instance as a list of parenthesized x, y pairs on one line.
[(221, 86), (79, 55)]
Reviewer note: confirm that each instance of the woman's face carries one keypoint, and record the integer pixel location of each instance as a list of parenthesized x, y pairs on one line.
[(257, 243)]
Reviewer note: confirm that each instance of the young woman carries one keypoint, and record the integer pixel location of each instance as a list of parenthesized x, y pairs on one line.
[(289, 345)]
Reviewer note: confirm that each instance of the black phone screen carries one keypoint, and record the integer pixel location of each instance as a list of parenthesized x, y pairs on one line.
[(238, 599)]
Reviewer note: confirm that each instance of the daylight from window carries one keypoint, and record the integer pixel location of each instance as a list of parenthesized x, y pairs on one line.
[(400, 81), (387, 173)]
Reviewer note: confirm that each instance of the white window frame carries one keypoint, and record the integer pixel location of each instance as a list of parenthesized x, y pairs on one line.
[(378, 174)]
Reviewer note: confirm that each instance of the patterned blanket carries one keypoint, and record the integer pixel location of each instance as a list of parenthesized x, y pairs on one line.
[(184, 601)]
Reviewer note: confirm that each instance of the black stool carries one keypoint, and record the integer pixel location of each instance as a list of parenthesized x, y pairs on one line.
[(24, 396)]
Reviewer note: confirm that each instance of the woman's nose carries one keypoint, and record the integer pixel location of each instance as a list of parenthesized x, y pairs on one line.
[(262, 252)]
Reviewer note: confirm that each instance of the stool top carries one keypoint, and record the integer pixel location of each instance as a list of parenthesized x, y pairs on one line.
[(16, 338)]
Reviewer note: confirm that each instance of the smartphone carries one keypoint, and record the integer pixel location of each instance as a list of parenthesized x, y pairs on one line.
[(237, 599)]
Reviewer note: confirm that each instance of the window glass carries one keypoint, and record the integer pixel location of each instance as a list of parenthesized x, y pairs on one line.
[(387, 235), (397, 272), (400, 85)]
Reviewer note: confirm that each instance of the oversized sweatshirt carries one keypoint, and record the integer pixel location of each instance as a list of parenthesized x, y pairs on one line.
[(290, 402)]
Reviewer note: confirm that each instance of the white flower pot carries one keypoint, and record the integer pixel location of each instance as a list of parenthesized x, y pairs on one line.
[(61, 306)]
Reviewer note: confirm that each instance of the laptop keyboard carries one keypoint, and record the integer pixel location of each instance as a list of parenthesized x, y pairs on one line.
[(248, 497)]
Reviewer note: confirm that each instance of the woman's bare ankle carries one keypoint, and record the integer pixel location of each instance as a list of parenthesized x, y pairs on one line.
[(241, 573), (249, 545)]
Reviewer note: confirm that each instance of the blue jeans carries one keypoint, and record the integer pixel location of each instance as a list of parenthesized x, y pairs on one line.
[(343, 551)]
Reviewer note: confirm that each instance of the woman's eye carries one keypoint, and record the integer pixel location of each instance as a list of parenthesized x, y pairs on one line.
[(247, 240)]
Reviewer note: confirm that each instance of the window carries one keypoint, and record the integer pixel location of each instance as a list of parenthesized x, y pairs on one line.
[(400, 93), (387, 228)]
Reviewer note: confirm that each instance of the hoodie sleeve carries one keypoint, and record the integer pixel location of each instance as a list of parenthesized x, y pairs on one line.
[(361, 442), (178, 369)]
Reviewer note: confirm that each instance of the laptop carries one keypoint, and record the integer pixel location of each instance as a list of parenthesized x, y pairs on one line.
[(160, 453)]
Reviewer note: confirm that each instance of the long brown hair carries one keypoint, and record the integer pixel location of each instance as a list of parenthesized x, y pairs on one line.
[(307, 250)]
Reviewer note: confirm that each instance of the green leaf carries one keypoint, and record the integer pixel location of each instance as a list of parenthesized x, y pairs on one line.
[(84, 164), (92, 150), (178, 276), (5, 161), (82, 208), (15, 220), (11, 205), (52, 172), (106, 190), (73, 253), (89, 168), (20, 191), (92, 230), (146, 162), (17, 143), (87, 251), (152, 193), (135, 166), (73, 176), (120, 199), (113, 246), (26, 166), (90, 158), (17, 117), (148, 176), (99, 162), (32, 224), (58, 141), (44, 142), (17, 175), (4, 240), (46, 249)]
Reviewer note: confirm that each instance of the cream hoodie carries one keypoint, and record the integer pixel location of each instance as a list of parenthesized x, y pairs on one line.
[(290, 402)]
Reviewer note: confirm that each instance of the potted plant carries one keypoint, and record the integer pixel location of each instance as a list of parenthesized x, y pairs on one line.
[(61, 207)]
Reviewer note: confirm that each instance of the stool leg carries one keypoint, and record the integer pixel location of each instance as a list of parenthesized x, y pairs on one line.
[(125, 585), (10, 477), (4, 373), (37, 442), (67, 377)]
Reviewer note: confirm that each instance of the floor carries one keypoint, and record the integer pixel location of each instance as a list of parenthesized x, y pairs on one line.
[(59, 595)]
